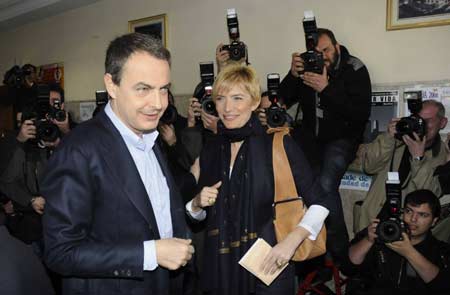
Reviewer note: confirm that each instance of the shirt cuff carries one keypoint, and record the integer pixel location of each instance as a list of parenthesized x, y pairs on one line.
[(199, 215), (150, 262), (313, 220)]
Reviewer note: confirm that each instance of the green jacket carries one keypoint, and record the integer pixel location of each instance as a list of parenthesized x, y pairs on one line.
[(376, 162)]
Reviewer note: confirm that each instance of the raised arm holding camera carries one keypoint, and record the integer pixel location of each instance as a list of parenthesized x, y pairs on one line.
[(409, 147), (415, 263), (333, 90)]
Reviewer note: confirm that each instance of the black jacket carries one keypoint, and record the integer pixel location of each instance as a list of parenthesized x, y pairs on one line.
[(345, 101), (394, 274)]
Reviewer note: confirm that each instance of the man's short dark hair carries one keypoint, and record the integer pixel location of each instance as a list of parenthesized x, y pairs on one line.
[(121, 48), (57, 88), (423, 196), (329, 33)]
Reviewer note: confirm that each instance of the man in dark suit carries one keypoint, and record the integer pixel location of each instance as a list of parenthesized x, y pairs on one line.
[(114, 221)]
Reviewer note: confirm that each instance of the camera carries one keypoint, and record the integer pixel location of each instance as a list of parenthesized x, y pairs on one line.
[(207, 80), (237, 49), (390, 229), (276, 116), (56, 112), (170, 115), (413, 123), (15, 77), (312, 59), (45, 129)]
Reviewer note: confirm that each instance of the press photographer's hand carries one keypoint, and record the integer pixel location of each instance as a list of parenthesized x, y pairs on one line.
[(416, 146), (296, 64), (318, 82), (391, 127), (27, 131)]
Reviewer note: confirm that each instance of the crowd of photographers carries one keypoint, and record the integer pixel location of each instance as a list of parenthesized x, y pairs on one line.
[(393, 252)]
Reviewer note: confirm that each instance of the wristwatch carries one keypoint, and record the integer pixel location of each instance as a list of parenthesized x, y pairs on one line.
[(418, 158)]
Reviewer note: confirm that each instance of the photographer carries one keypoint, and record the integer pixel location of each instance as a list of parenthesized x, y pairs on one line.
[(415, 159), (61, 118), (417, 264), (335, 106)]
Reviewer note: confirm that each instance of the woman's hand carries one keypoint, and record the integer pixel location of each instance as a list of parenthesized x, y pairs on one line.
[(206, 197), (280, 255)]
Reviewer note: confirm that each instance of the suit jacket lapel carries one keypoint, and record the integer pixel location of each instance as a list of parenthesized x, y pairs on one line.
[(124, 172)]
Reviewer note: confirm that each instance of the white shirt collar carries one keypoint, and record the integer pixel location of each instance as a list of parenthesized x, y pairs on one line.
[(147, 141)]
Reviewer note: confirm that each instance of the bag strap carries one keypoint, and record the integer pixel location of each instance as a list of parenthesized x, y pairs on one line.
[(284, 181)]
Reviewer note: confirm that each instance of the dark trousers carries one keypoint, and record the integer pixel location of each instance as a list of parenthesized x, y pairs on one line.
[(335, 158), (330, 160)]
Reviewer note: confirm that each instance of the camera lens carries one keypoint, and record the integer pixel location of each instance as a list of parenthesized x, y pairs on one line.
[(389, 231), (209, 106)]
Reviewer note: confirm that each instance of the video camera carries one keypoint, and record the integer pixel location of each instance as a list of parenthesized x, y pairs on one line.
[(391, 228), (276, 115), (413, 123), (170, 115), (237, 49), (15, 77), (312, 59), (207, 81), (45, 129)]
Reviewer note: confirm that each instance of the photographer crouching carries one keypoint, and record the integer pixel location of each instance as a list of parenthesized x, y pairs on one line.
[(415, 263)]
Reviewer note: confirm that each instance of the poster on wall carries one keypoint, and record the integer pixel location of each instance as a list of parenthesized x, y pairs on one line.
[(51, 73)]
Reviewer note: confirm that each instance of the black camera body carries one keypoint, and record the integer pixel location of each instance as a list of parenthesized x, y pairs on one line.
[(45, 129), (276, 116), (237, 49), (207, 80), (391, 228), (170, 115), (413, 123), (312, 59), (15, 77), (101, 99)]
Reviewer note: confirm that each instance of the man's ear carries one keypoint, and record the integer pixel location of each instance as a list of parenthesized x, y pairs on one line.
[(111, 87), (435, 220), (443, 123)]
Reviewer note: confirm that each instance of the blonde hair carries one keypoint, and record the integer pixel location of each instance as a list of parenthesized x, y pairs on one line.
[(238, 75)]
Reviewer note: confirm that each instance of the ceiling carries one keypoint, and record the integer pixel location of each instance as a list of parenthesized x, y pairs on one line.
[(14, 13)]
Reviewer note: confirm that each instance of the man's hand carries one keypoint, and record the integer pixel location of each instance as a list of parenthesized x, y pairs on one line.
[(416, 146), (194, 110), (262, 116), (168, 134), (173, 253), (206, 197), (402, 247), (316, 81), (63, 126), (27, 131), (209, 121), (38, 204), (296, 64), (222, 57), (371, 231), (391, 127)]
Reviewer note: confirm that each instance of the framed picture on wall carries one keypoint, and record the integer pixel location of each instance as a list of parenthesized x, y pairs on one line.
[(154, 25), (407, 14)]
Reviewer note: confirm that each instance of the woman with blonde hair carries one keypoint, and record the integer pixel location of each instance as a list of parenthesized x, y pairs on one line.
[(236, 192)]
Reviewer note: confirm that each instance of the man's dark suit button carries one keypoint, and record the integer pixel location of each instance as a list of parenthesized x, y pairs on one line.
[(129, 273), (116, 273)]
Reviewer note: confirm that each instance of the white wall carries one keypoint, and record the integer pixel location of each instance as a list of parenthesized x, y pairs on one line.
[(271, 29)]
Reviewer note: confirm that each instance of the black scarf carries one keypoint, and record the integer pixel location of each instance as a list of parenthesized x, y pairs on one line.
[(231, 226)]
